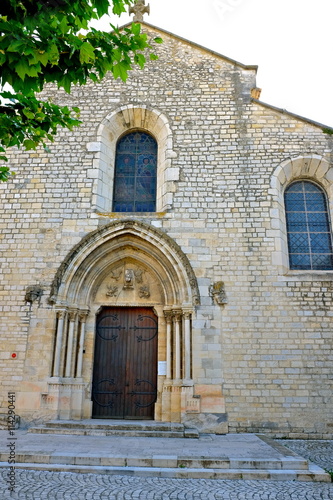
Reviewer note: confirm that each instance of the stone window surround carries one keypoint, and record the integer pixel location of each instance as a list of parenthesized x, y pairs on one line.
[(311, 167), (122, 120)]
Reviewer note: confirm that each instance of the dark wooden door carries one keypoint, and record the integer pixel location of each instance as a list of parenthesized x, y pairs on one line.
[(125, 364)]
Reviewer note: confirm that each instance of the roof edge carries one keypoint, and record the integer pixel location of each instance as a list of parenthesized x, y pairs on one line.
[(293, 115), (202, 47)]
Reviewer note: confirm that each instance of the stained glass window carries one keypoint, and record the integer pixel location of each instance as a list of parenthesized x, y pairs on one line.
[(135, 174), (308, 227)]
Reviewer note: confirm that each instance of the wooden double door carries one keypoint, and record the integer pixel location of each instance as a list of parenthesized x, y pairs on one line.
[(125, 363)]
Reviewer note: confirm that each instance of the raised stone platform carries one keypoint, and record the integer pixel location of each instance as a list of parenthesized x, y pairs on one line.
[(126, 428), (233, 456)]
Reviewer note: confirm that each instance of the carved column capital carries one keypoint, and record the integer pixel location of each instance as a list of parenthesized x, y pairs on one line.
[(168, 316), (72, 314), (61, 313), (187, 313), (83, 314), (177, 314)]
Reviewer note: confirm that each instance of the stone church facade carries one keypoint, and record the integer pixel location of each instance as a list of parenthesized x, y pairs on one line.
[(213, 307)]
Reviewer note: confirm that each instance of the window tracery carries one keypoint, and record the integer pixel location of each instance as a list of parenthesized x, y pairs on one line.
[(308, 227)]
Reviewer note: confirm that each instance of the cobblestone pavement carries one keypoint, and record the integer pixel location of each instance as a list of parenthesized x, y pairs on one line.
[(36, 485), (319, 452)]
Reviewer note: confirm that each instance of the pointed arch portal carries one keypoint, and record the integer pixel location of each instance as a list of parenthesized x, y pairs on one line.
[(129, 270)]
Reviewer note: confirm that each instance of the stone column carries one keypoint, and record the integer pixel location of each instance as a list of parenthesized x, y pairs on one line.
[(177, 353), (70, 341), (187, 346), (82, 317), (168, 318), (58, 346)]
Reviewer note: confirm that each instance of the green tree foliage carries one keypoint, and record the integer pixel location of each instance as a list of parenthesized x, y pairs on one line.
[(50, 41)]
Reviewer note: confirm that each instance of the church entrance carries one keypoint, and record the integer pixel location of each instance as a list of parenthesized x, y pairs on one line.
[(125, 363)]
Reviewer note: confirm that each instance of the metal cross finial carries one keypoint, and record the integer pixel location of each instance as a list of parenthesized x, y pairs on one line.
[(138, 10)]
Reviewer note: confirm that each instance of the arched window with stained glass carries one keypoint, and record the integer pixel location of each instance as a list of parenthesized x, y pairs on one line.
[(308, 227), (135, 173)]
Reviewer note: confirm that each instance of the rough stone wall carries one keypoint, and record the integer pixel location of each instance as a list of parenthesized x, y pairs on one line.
[(270, 347)]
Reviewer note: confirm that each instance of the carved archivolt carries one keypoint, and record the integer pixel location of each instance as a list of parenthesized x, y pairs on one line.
[(122, 255)]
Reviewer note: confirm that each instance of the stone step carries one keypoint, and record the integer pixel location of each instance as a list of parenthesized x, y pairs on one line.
[(313, 473), (231, 456), (100, 427), (117, 424), (105, 432), (160, 461)]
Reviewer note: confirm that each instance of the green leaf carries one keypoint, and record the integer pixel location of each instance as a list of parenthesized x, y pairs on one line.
[(65, 82), (63, 25), (102, 7), (118, 7), (42, 57), (29, 144), (16, 46), (5, 173), (86, 53), (28, 114), (53, 54), (153, 57), (158, 40), (33, 70), (123, 70), (136, 28), (22, 68), (140, 60)]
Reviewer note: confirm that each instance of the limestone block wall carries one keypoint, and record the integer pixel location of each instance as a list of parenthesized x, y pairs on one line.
[(262, 360)]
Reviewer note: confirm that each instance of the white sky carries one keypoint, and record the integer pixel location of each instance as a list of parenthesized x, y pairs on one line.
[(290, 40)]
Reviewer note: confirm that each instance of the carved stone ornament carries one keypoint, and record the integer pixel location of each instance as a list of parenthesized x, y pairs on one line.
[(116, 274), (138, 275), (129, 279), (105, 234), (217, 292), (112, 291), (144, 292), (33, 293), (138, 10)]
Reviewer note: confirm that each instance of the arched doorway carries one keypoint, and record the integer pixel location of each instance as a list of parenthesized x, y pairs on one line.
[(128, 270)]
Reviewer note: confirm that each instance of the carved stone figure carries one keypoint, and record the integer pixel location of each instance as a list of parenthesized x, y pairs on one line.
[(115, 275), (112, 291), (138, 275), (129, 279), (217, 292), (33, 293), (144, 292)]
